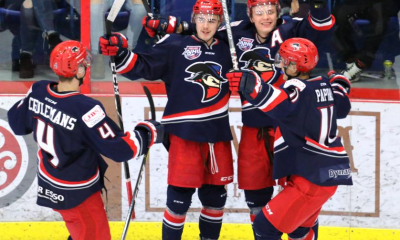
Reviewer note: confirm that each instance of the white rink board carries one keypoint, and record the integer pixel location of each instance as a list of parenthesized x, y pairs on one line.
[(370, 203)]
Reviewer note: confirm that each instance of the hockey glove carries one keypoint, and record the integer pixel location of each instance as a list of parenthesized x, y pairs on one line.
[(114, 45), (246, 82), (338, 79), (154, 129), (160, 25)]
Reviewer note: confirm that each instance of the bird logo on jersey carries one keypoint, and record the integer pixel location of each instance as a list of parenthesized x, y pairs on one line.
[(259, 60), (208, 76)]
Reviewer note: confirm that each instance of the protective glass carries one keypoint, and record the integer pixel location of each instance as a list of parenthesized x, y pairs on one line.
[(281, 62), (202, 18), (265, 8)]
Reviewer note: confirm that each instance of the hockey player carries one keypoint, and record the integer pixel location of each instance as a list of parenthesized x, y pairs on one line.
[(196, 115), (308, 153), (71, 131), (257, 40)]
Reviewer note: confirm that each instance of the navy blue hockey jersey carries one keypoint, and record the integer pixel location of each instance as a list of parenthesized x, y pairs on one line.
[(259, 57), (194, 76), (71, 131), (306, 141)]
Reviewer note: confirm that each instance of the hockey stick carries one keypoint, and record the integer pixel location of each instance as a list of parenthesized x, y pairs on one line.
[(146, 6), (230, 36), (116, 7), (330, 63), (149, 13), (139, 178)]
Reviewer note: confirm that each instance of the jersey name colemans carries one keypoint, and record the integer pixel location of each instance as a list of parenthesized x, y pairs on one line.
[(55, 115), (192, 52)]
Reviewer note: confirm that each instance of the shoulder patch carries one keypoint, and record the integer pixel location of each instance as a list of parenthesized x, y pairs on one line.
[(295, 83), (94, 116)]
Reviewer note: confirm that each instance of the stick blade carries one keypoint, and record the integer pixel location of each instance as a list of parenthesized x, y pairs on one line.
[(116, 7)]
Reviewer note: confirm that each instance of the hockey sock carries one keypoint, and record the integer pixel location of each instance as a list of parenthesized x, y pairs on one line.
[(178, 203), (257, 199), (305, 233), (315, 229), (264, 230), (213, 199), (210, 222), (172, 225), (96, 25)]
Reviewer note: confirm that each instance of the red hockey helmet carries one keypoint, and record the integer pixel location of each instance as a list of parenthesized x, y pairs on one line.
[(67, 57), (254, 3), (300, 51), (213, 7)]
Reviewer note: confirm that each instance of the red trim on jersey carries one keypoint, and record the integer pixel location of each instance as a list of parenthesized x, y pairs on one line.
[(314, 79), (130, 65), (340, 77), (60, 95), (322, 28), (59, 180), (280, 98), (131, 143), (208, 109), (278, 133), (280, 81), (337, 149)]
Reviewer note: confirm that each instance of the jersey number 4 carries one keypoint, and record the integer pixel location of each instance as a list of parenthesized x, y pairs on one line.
[(47, 146)]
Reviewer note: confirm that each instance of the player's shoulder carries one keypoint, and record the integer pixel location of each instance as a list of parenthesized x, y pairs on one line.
[(84, 102), (237, 25), (90, 111), (42, 84), (317, 82)]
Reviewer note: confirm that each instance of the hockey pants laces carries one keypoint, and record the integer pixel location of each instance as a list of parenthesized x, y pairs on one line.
[(213, 160)]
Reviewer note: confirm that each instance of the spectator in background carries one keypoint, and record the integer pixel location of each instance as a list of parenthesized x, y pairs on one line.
[(378, 12), (98, 9), (295, 8), (36, 17)]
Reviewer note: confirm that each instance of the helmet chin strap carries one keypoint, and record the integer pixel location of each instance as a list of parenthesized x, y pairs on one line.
[(290, 77), (81, 79)]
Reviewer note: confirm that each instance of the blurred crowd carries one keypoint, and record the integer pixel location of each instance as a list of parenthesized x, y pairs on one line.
[(366, 35)]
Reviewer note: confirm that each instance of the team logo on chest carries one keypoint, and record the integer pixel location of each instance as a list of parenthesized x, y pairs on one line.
[(259, 60), (208, 76), (192, 52), (245, 44)]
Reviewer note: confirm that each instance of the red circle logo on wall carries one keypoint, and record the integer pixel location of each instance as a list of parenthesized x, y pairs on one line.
[(10, 158), (17, 163)]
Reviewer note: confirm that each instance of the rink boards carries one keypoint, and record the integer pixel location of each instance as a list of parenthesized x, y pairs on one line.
[(367, 210)]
